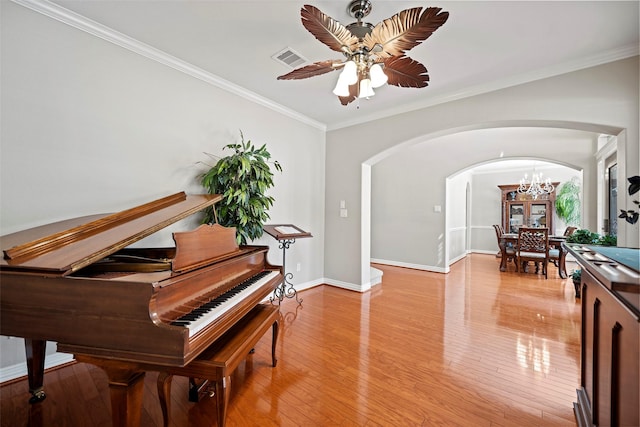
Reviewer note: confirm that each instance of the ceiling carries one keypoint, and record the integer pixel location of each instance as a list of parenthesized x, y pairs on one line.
[(483, 46)]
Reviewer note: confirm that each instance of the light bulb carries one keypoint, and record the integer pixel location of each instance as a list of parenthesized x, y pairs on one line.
[(342, 88), (378, 77), (350, 73), (366, 90)]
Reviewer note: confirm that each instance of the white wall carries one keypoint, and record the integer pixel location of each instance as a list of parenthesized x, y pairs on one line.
[(599, 99), (408, 217), (90, 127)]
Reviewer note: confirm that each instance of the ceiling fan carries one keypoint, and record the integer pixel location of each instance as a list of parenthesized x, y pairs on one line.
[(374, 55)]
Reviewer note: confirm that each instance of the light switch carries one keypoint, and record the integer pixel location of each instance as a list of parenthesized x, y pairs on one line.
[(343, 213), (343, 204), (437, 208)]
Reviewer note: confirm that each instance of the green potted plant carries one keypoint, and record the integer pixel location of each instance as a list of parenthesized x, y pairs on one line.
[(242, 179), (568, 202), (576, 277), (586, 237)]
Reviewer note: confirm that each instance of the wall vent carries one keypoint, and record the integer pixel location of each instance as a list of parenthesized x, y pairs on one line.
[(289, 58)]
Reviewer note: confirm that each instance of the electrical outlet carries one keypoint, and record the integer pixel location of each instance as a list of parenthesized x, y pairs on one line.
[(298, 267)]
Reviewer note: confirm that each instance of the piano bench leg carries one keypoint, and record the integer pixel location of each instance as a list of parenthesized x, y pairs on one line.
[(223, 390)]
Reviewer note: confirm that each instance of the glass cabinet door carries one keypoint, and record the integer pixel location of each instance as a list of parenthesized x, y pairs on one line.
[(538, 215), (516, 217)]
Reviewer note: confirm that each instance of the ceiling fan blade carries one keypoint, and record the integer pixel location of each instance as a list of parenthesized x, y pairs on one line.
[(312, 70), (405, 30), (353, 94), (403, 71), (326, 29)]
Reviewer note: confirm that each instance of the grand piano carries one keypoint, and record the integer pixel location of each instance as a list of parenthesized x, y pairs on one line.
[(82, 284)]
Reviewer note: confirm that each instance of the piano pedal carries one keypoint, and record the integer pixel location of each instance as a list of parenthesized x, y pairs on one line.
[(200, 389)]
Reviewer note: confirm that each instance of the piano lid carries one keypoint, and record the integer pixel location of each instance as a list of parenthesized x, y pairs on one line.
[(67, 246)]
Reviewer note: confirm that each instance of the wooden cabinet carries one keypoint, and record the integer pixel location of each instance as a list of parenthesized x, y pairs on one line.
[(609, 390), (523, 210)]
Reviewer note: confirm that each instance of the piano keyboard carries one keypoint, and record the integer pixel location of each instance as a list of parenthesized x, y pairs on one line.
[(199, 318)]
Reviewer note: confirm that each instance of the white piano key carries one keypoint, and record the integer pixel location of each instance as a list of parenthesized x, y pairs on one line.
[(201, 322)]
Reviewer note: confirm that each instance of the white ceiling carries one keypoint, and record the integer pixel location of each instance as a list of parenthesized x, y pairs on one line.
[(483, 46)]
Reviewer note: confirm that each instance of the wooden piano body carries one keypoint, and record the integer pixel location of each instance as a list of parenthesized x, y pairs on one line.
[(79, 283)]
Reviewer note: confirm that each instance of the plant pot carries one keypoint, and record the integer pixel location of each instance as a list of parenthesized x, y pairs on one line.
[(576, 285)]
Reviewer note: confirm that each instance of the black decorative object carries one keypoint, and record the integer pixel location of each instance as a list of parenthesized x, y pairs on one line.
[(630, 215)]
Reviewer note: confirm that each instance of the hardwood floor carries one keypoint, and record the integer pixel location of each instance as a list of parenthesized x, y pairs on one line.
[(474, 347)]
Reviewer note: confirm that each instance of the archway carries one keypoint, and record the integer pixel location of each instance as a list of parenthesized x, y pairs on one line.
[(425, 139)]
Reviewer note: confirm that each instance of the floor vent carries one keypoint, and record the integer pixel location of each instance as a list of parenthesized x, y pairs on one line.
[(290, 58)]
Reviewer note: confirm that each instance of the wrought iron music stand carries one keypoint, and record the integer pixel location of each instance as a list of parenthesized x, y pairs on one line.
[(286, 235)]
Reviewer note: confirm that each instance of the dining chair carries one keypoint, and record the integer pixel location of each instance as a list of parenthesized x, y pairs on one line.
[(509, 250), (533, 245), (554, 254)]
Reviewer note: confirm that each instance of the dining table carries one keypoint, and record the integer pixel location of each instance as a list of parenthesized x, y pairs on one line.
[(555, 242)]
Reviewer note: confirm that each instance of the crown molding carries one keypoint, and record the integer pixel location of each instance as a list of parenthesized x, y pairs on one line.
[(94, 28)]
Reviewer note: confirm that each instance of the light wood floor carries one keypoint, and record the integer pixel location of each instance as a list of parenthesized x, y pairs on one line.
[(474, 347)]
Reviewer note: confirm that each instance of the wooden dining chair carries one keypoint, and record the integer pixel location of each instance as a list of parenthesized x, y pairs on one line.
[(509, 250), (533, 245), (554, 253)]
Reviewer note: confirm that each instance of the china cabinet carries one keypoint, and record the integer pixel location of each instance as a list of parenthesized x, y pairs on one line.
[(519, 209)]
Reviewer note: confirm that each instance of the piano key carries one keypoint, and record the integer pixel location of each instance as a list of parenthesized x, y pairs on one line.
[(201, 316)]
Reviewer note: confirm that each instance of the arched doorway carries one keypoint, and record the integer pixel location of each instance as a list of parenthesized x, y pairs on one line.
[(369, 190)]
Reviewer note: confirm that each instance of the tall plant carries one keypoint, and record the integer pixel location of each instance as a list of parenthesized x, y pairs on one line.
[(242, 179), (568, 202)]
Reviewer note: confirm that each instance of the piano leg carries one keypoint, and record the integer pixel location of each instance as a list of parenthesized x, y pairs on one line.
[(35, 350), (126, 388)]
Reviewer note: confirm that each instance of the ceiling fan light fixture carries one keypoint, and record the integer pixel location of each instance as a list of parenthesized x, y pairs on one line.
[(350, 73), (366, 91), (342, 87), (375, 54), (378, 77)]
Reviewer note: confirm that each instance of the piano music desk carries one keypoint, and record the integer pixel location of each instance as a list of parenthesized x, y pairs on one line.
[(218, 362)]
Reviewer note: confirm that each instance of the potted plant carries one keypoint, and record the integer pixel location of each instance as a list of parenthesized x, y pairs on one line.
[(576, 276), (242, 179), (568, 202), (584, 237)]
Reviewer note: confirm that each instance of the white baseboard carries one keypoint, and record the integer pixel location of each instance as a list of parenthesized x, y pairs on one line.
[(19, 370)]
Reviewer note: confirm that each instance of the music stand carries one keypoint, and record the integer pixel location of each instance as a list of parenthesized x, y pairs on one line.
[(286, 235)]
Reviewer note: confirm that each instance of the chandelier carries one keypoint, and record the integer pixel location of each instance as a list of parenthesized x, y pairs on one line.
[(536, 187)]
